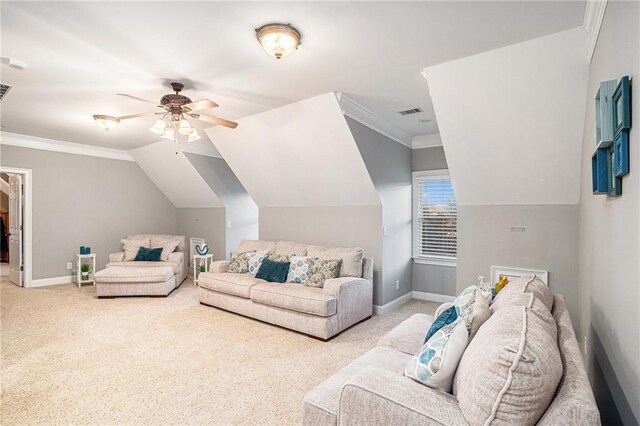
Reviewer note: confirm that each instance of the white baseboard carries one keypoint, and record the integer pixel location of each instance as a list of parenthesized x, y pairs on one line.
[(395, 303), (433, 297), (52, 281)]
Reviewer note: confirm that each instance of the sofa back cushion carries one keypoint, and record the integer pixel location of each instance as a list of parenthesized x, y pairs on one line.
[(351, 258), (511, 369), (527, 284), (287, 248), (255, 245), (130, 246), (158, 240)]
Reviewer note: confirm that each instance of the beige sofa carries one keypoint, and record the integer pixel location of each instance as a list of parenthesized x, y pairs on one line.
[(318, 312), (371, 390), (121, 278)]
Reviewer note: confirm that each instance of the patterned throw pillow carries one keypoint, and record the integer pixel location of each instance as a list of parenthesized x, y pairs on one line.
[(322, 270), (255, 260), (473, 308), (239, 263), (436, 363), (278, 257), (299, 269), (447, 317), (131, 248)]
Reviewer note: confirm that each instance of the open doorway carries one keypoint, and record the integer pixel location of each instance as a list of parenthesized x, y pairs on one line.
[(15, 225)]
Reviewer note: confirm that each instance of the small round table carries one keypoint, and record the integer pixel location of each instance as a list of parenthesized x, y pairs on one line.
[(200, 259)]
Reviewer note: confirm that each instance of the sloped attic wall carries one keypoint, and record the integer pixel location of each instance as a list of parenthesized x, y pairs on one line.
[(241, 212), (511, 123), (302, 167)]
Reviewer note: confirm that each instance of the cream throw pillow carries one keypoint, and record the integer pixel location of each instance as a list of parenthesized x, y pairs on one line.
[(131, 247)]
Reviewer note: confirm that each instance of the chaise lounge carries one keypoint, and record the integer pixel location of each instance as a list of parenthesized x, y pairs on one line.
[(319, 312)]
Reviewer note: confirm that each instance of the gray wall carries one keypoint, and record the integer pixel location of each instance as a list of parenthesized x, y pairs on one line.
[(81, 200), (432, 278), (610, 237), (207, 223), (240, 209), (550, 242), (389, 165), (340, 226)]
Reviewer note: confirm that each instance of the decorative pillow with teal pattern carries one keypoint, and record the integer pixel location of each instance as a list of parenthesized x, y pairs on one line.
[(322, 270), (239, 263), (299, 269), (447, 317), (472, 308), (436, 363), (255, 260), (278, 257)]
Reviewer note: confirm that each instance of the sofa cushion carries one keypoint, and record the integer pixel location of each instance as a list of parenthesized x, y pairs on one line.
[(156, 240), (321, 271), (323, 401), (295, 298), (351, 258), (254, 245), (175, 267), (408, 337), (287, 248), (146, 254), (131, 246), (168, 245), (129, 275), (528, 284), (229, 283), (511, 369)]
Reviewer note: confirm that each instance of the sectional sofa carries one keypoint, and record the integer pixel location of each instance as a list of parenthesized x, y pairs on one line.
[(318, 312)]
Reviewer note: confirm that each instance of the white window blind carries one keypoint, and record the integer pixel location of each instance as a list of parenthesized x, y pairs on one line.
[(437, 217)]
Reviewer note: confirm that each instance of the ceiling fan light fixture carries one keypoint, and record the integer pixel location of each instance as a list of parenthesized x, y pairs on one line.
[(107, 122), (168, 133), (158, 127), (193, 136), (279, 40), (185, 127)]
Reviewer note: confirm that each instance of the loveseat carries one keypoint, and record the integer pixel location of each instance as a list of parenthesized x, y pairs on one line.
[(123, 277), (318, 312), (495, 382)]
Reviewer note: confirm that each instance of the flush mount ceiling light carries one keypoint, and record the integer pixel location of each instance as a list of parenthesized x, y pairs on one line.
[(279, 40)]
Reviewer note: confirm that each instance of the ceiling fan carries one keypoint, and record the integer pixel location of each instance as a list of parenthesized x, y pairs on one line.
[(173, 118)]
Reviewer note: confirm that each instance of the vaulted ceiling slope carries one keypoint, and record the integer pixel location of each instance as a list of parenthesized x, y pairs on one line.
[(169, 168), (80, 54), (511, 120), (298, 155)]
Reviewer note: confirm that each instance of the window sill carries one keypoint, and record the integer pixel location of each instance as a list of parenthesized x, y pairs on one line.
[(435, 262)]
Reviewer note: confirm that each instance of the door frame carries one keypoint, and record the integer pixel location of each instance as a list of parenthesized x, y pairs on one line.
[(27, 217)]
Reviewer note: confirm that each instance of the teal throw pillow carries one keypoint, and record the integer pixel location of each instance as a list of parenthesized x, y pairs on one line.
[(272, 271), (448, 316), (148, 254)]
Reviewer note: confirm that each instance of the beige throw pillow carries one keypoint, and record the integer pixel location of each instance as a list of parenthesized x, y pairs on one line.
[(351, 258), (528, 284), (131, 247), (322, 270)]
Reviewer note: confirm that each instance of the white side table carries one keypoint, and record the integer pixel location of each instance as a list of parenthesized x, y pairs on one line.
[(201, 259), (81, 259)]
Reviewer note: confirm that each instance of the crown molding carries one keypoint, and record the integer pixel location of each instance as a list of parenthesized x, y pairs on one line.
[(427, 141), (592, 21), (33, 142), (365, 116)]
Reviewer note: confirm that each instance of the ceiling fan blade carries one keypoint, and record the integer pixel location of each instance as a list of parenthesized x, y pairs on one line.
[(142, 114), (137, 98), (201, 104), (215, 120)]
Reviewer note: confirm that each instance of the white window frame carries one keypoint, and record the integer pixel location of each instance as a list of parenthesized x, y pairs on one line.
[(417, 258)]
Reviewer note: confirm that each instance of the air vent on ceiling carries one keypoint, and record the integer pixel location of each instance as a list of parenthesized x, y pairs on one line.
[(4, 89), (410, 111)]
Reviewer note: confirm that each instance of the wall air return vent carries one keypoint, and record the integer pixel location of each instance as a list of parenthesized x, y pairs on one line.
[(410, 111), (4, 89)]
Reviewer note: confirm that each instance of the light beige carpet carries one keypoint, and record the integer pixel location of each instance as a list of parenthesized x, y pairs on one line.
[(68, 357)]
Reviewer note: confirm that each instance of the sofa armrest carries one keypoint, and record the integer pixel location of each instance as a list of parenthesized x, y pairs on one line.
[(380, 397), (176, 257), (116, 257), (219, 266), (441, 309), (339, 286)]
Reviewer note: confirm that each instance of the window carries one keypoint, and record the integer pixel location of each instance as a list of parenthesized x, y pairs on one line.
[(435, 218)]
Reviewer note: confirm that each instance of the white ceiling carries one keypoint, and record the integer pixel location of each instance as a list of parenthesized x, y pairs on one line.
[(80, 54)]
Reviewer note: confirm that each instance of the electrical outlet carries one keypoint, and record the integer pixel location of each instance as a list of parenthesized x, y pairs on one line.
[(384, 231), (397, 284), (229, 224), (585, 343), (69, 266)]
